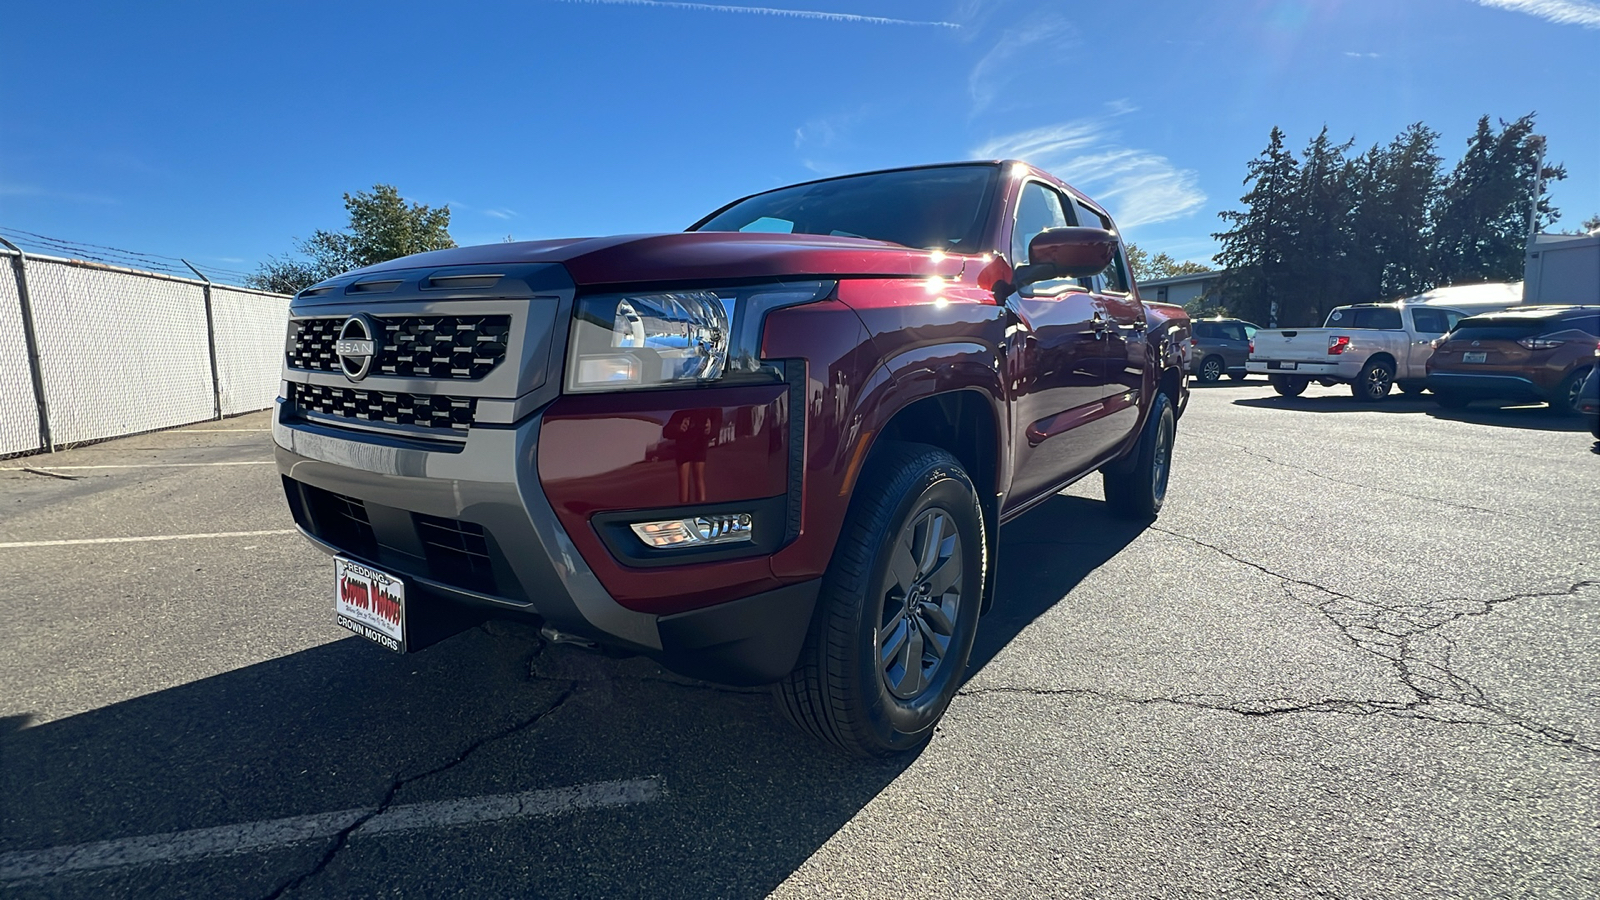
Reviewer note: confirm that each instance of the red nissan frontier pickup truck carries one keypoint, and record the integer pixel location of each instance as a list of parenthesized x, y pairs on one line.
[(774, 448)]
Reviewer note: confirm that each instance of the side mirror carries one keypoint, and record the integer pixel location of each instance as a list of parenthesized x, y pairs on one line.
[(1067, 253)]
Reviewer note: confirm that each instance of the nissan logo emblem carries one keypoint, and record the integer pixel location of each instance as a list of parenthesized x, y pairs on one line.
[(355, 347)]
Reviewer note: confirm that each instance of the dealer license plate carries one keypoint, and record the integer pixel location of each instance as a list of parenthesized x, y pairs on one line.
[(1475, 356), (1283, 365), (370, 603)]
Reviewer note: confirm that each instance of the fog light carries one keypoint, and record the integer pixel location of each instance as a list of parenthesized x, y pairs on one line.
[(700, 531)]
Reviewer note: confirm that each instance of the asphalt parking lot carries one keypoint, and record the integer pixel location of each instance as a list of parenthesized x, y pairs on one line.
[(1357, 656)]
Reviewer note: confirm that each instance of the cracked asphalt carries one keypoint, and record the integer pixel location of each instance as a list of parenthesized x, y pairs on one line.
[(1357, 656)]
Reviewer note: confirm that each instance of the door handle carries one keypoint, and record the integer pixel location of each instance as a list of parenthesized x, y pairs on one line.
[(1098, 323)]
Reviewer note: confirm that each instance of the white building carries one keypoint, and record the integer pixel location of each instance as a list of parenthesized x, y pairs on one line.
[(1562, 268), (1182, 289)]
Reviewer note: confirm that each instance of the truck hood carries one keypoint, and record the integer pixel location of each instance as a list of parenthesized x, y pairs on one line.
[(694, 256)]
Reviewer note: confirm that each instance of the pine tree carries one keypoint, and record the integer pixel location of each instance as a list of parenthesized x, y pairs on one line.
[(1255, 250), (1413, 182), (1320, 261), (1482, 214)]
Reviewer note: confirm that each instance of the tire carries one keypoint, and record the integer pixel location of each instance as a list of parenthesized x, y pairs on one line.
[(913, 502), (1451, 400), (1212, 369), (1238, 376), (1412, 388), (1288, 385), (1565, 400), (1138, 488), (1374, 382)]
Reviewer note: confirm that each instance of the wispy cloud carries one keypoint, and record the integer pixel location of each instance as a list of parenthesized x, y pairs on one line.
[(34, 190), (1137, 186), (1356, 54), (1561, 12), (769, 11), (1043, 38), (501, 213)]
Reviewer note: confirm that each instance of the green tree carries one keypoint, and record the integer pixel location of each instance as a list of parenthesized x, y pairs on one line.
[(1482, 214), (1256, 251), (383, 226), (1591, 224), (1319, 262), (1145, 267)]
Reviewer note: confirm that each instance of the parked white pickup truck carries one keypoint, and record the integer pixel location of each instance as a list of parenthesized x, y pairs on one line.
[(1369, 346)]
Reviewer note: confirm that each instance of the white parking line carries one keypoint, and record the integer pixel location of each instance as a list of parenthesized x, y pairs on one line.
[(266, 462), (273, 834), (144, 538)]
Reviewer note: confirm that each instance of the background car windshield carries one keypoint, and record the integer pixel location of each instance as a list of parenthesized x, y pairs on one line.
[(929, 209)]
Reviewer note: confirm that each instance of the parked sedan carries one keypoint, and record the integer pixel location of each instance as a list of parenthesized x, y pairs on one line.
[(1220, 346), (1540, 353)]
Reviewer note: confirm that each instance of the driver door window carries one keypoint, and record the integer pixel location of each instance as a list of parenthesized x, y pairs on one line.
[(1038, 208)]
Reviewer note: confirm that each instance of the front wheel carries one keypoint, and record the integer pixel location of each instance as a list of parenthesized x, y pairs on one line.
[(1374, 382), (1137, 487), (898, 609)]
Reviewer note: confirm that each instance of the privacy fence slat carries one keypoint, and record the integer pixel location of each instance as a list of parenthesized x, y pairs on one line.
[(19, 410), (123, 352)]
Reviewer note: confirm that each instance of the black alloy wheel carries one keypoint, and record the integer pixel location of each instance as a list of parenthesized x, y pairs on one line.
[(898, 609), (1569, 394), (1136, 487)]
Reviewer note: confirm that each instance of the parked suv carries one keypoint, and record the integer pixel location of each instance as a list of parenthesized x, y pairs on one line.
[(1220, 346), (774, 449), (1540, 353)]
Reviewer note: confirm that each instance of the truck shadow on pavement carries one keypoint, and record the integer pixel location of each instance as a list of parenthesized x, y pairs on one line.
[(1540, 418), (744, 800)]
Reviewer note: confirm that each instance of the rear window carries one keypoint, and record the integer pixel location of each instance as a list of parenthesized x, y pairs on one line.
[(1205, 329), (1488, 328), (1381, 318)]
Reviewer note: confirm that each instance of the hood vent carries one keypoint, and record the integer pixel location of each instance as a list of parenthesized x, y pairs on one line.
[(461, 282), (373, 287)]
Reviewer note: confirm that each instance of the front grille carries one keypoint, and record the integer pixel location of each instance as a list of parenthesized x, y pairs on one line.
[(342, 521), (461, 347), (419, 410), (458, 552)]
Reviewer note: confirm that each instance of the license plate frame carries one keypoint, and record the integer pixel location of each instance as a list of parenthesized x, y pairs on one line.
[(1475, 356), (1283, 366), (370, 603)]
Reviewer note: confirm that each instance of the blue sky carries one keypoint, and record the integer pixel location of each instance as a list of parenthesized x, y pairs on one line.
[(222, 131)]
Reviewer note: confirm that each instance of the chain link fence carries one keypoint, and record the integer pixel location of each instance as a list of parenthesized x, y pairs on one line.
[(119, 351)]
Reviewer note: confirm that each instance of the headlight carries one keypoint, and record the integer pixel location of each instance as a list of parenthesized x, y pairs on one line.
[(674, 338)]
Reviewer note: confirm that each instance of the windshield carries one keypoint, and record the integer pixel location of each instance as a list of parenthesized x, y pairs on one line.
[(929, 209)]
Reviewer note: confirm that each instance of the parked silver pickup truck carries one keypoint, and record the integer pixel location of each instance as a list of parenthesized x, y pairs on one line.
[(1369, 346)]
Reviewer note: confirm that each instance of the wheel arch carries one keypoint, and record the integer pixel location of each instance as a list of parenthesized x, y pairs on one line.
[(965, 423)]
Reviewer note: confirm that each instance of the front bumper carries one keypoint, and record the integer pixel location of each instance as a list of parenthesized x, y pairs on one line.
[(472, 525)]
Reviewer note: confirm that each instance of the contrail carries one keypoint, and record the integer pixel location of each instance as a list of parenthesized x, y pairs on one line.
[(769, 11)]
